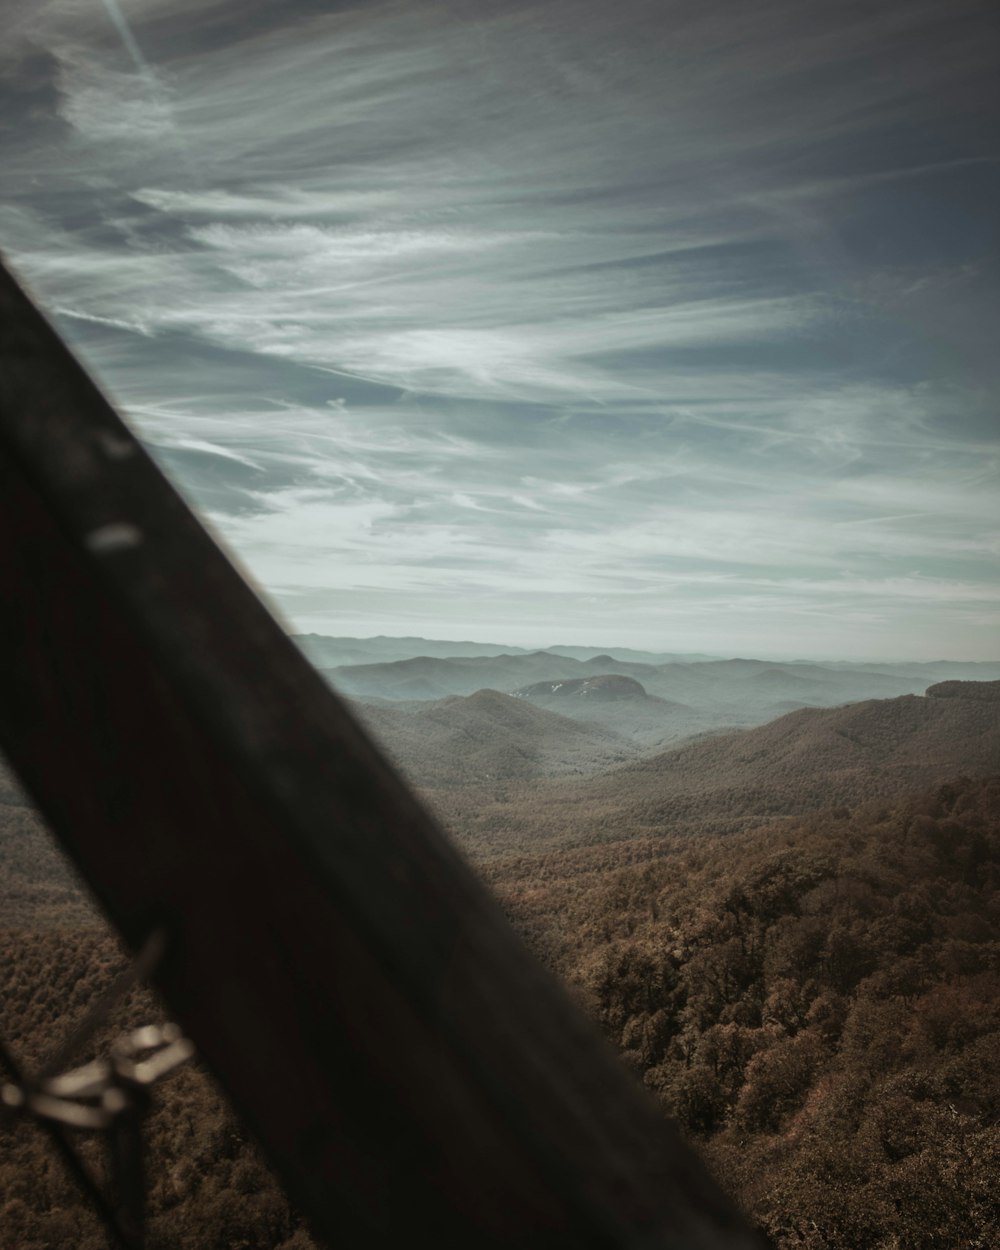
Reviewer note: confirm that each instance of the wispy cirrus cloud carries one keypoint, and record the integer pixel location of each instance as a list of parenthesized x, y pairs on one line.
[(663, 319)]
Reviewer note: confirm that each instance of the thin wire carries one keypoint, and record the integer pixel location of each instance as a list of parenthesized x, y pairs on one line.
[(138, 970), (75, 1165)]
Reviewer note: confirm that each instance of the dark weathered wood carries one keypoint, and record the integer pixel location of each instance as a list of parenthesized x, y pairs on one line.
[(406, 1065)]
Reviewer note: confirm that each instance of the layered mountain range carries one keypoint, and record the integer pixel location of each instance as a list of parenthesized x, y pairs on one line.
[(655, 701), (485, 714)]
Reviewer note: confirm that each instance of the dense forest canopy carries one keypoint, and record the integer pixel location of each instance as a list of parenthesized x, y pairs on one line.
[(814, 996), (817, 1004)]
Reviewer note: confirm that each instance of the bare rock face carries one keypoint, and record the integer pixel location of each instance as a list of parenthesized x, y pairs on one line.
[(982, 691), (607, 688)]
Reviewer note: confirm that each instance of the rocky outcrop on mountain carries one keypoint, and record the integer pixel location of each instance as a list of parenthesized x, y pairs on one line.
[(607, 688), (984, 691)]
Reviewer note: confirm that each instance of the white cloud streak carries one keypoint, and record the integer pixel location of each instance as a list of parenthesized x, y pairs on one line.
[(607, 273)]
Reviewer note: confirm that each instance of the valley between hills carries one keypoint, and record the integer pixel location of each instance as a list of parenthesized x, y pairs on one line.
[(774, 886)]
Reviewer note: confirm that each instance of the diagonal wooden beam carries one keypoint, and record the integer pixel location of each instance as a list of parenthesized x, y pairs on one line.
[(406, 1065)]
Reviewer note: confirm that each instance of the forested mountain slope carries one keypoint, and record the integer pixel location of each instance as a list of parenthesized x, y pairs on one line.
[(814, 756), (818, 1005), (806, 760), (987, 691), (489, 736)]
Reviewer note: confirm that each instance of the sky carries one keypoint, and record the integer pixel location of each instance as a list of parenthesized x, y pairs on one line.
[(669, 325)]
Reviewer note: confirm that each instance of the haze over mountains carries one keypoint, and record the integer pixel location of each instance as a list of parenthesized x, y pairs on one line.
[(488, 736), (574, 753), (330, 652), (426, 700)]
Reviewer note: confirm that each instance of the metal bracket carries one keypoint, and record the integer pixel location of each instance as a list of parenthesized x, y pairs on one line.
[(94, 1095), (108, 1096)]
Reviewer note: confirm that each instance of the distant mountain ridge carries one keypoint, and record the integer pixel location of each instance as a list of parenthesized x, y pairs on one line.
[(435, 677), (329, 651), (696, 695), (332, 652)]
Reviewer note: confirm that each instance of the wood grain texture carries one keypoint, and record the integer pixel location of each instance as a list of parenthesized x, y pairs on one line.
[(406, 1065)]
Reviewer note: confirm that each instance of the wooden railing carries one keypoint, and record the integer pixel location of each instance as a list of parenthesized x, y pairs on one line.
[(408, 1068)]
